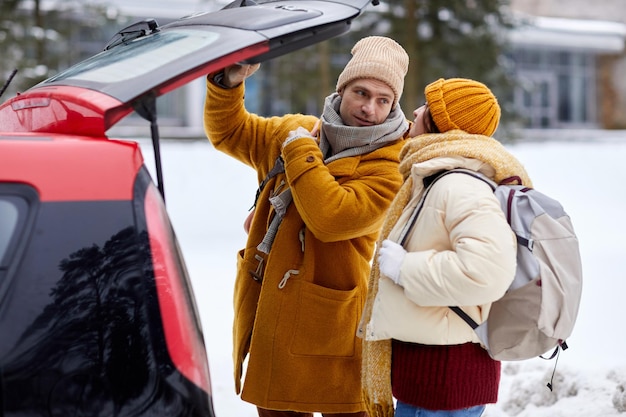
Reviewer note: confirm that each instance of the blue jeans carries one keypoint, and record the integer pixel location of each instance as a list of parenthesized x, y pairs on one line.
[(406, 410)]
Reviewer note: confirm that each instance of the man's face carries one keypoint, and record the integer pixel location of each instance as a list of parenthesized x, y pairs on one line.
[(365, 102)]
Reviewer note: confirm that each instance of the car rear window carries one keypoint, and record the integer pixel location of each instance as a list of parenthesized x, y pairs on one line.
[(16, 206), (9, 215), (139, 57)]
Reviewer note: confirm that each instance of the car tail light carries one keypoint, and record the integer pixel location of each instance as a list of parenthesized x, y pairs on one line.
[(182, 333)]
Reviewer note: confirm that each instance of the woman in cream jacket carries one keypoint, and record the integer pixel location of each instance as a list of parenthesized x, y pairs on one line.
[(459, 252)]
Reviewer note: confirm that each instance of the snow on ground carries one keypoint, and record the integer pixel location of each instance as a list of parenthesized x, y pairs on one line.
[(208, 196)]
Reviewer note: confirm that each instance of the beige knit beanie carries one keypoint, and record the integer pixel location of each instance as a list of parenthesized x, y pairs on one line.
[(379, 58), (460, 103)]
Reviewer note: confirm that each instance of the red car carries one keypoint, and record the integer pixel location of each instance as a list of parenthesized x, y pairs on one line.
[(97, 314)]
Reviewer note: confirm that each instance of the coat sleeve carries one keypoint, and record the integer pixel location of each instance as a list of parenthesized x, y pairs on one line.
[(249, 138), (467, 251), (347, 198)]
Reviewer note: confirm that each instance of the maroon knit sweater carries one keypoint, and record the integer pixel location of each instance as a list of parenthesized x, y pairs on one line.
[(443, 377)]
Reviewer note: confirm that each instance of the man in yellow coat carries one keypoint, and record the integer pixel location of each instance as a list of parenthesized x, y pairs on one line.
[(325, 187)]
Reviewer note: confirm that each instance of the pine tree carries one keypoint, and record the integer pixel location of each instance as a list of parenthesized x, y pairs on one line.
[(444, 39), (38, 43), (452, 38)]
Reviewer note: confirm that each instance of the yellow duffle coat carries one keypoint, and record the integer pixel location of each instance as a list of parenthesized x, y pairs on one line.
[(296, 310)]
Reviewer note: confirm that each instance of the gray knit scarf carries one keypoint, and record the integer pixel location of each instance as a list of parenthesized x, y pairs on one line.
[(339, 141)]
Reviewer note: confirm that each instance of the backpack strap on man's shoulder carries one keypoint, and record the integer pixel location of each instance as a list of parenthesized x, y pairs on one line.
[(279, 167)]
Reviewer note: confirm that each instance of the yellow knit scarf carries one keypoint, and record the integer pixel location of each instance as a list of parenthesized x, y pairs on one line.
[(376, 366)]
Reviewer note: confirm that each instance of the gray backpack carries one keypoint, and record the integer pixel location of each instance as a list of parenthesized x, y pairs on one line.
[(538, 311)]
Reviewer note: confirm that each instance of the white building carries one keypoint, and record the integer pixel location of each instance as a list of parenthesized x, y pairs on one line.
[(570, 60)]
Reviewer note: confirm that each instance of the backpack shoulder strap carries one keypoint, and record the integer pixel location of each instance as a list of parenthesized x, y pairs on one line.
[(279, 167), (409, 224), (458, 310), (477, 175), (418, 208)]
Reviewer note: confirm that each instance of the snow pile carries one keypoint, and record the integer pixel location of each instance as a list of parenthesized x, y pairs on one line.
[(523, 391)]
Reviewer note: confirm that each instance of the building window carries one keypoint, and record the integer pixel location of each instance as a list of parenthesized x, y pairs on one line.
[(556, 88)]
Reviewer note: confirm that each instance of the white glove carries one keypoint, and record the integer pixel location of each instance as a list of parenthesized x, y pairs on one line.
[(236, 74), (298, 134), (390, 258)]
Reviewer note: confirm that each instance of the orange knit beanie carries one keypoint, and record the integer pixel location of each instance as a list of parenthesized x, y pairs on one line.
[(459, 103)]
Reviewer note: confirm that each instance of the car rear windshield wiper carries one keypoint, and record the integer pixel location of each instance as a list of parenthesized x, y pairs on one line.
[(134, 31), (6, 84)]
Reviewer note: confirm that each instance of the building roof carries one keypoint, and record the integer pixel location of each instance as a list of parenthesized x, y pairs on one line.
[(576, 34)]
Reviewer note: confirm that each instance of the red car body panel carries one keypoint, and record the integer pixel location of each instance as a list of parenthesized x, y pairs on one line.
[(108, 174), (188, 354), (59, 109)]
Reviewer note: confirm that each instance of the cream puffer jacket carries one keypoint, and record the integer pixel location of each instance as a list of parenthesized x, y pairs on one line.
[(461, 251)]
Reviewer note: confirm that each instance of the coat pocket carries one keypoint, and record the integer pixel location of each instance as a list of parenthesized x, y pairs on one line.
[(325, 321)]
